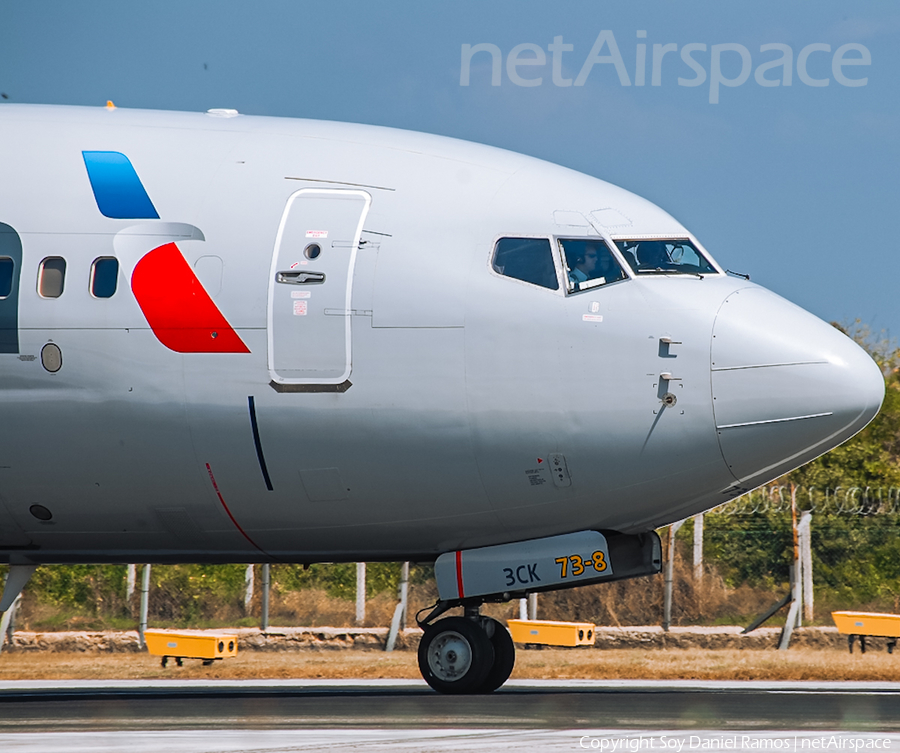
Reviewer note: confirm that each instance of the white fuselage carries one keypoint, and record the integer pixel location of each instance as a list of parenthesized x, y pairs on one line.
[(408, 408)]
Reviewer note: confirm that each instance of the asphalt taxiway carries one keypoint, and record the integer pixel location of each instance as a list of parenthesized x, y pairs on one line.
[(195, 716)]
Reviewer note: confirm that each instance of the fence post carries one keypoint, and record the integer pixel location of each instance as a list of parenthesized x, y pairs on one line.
[(797, 584), (265, 598), (670, 574), (523, 609), (698, 548), (398, 621), (248, 589), (129, 586), (794, 617), (404, 593), (360, 593), (532, 606), (806, 564), (145, 590), (8, 621), (13, 613)]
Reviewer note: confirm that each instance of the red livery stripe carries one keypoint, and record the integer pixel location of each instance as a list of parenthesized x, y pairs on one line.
[(227, 511), (178, 309)]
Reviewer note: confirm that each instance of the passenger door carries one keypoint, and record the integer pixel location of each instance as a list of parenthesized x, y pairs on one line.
[(310, 289)]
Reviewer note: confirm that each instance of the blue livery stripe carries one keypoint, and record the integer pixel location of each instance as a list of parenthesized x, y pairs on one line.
[(117, 188)]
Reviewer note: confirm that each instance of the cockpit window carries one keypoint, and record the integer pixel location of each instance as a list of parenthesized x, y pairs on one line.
[(678, 256), (589, 264), (526, 259)]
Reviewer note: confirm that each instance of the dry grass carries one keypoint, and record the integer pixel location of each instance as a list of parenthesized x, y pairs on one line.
[(705, 664), (246, 666), (695, 664)]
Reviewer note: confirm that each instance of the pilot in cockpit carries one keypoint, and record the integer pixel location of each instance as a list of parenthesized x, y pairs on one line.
[(653, 255), (591, 263), (583, 265)]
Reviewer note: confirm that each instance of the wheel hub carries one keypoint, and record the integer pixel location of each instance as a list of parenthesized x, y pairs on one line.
[(449, 656)]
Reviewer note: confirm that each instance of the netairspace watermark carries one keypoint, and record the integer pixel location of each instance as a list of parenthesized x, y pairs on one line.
[(721, 65), (735, 742)]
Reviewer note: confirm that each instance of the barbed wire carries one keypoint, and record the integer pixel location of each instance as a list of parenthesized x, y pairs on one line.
[(839, 500)]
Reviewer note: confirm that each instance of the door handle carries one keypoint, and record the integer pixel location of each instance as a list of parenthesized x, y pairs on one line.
[(301, 278)]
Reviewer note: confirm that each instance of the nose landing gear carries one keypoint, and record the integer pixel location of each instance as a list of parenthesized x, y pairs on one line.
[(475, 654), (470, 654)]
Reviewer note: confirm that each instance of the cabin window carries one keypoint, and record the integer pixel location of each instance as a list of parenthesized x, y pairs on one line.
[(104, 277), (7, 268), (526, 259), (52, 277), (664, 256), (589, 264)]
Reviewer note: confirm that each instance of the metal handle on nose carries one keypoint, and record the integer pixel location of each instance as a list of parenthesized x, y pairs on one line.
[(301, 278)]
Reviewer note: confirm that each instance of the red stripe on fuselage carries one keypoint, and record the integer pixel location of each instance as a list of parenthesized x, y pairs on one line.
[(178, 309), (459, 581), (227, 511)]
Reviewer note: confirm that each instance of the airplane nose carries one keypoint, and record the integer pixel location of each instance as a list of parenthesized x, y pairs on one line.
[(787, 387)]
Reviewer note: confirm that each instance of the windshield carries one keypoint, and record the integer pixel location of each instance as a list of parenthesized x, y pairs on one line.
[(526, 259), (676, 256)]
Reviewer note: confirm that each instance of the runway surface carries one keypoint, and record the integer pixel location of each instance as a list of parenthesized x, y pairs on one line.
[(613, 716)]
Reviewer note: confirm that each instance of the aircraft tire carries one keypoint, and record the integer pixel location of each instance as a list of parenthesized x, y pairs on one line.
[(504, 656), (455, 655)]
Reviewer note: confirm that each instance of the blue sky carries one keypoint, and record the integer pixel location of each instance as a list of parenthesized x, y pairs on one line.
[(796, 185)]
